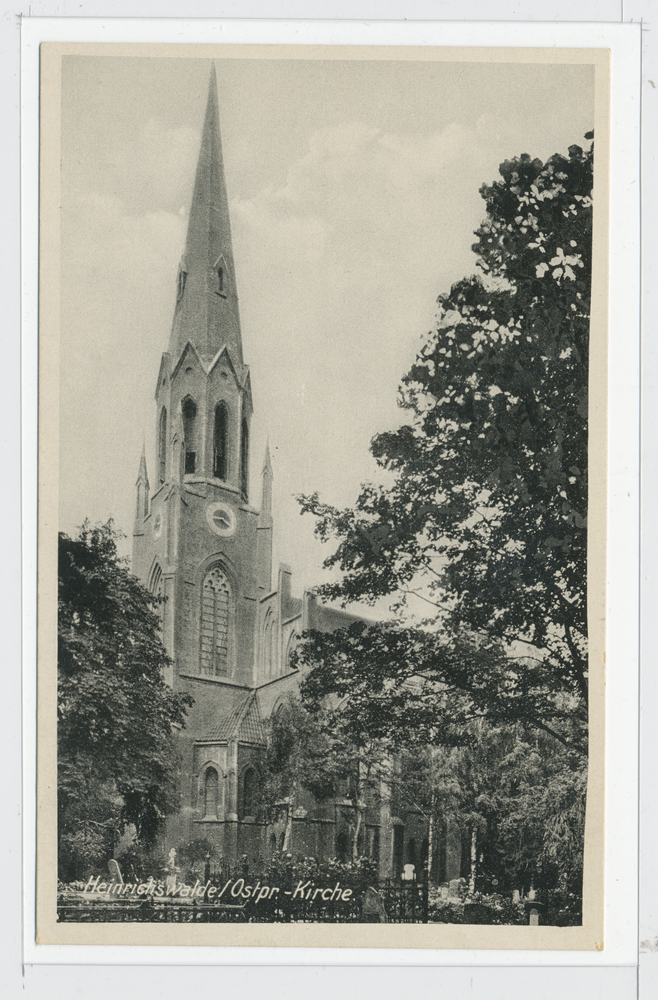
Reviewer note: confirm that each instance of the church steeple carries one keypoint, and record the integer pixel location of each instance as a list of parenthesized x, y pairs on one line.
[(206, 311)]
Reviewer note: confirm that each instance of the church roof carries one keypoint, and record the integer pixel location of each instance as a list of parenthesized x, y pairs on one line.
[(243, 723)]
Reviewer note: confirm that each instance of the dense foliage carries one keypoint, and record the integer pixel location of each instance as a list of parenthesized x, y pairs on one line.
[(323, 748), (486, 518), (117, 760)]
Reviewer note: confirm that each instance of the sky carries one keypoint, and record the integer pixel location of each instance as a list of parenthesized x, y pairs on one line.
[(354, 193)]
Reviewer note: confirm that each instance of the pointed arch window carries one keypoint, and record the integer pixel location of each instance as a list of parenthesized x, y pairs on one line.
[(292, 642), (162, 446), (189, 431), (221, 277), (215, 608), (157, 589), (210, 794), (266, 644), (244, 458), (220, 442), (273, 650)]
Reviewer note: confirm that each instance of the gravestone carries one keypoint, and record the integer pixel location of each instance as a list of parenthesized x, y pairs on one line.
[(409, 873), (453, 889), (172, 870), (115, 872), (534, 909), (372, 908), (443, 891)]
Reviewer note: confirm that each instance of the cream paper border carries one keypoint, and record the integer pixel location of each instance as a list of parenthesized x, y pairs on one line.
[(587, 937)]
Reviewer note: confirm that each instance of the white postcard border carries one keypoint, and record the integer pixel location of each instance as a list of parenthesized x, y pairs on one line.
[(621, 730)]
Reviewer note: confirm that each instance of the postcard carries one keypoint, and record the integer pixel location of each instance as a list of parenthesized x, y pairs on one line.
[(322, 495)]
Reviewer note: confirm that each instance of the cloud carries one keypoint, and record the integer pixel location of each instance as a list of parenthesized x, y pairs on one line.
[(360, 199), (151, 172)]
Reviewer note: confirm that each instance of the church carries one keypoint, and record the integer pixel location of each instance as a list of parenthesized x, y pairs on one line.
[(204, 542)]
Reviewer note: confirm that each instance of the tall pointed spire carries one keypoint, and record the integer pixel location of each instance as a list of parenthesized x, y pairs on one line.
[(207, 302)]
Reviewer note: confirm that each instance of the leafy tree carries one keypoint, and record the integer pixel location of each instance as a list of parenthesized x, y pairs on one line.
[(319, 745), (486, 518), (517, 798), (117, 760), (521, 802), (414, 687), (297, 757)]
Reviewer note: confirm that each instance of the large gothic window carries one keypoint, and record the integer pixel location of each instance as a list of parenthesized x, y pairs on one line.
[(244, 459), (162, 446), (189, 431), (215, 609), (220, 442)]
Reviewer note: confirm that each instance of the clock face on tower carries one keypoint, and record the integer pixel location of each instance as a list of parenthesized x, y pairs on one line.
[(221, 519)]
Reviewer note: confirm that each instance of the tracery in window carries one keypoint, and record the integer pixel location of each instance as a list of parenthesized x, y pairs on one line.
[(215, 604)]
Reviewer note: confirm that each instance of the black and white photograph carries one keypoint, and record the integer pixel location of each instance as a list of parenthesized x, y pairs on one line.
[(323, 591)]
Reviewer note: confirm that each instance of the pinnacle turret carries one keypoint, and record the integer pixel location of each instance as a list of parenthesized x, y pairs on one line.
[(265, 526), (142, 475), (267, 474), (142, 495)]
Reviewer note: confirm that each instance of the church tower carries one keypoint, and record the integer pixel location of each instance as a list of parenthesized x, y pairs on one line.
[(201, 544), (197, 539)]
